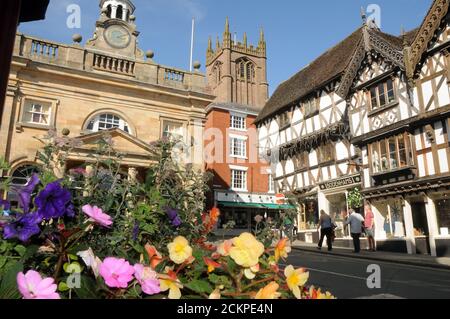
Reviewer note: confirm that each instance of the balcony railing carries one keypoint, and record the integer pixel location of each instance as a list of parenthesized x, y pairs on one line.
[(44, 49), (173, 75)]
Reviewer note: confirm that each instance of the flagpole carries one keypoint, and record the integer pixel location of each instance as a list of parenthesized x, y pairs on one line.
[(192, 44)]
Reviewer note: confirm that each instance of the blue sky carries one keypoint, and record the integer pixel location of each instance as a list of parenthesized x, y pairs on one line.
[(297, 31)]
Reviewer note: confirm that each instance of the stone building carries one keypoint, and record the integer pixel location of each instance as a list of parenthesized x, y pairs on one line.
[(371, 113), (106, 84), (242, 186)]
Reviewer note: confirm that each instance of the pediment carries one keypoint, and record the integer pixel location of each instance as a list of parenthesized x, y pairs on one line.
[(121, 141)]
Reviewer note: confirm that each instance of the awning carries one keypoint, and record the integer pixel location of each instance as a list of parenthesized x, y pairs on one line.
[(256, 205)]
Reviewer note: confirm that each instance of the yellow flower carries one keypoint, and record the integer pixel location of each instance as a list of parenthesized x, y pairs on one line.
[(246, 250), (296, 278), (317, 294), (269, 292), (282, 249), (179, 250), (250, 273), (170, 282)]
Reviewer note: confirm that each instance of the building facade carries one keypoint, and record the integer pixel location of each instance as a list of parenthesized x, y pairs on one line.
[(242, 186), (390, 139), (106, 84)]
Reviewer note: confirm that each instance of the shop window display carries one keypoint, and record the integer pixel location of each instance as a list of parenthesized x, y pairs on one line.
[(443, 215)]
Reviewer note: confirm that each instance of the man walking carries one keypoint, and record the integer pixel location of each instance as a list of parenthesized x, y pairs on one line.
[(355, 221), (326, 229), (369, 224)]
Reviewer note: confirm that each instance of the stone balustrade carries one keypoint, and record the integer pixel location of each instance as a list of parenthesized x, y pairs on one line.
[(80, 58)]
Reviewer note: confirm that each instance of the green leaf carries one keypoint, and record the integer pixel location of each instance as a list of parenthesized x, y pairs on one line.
[(63, 287), (8, 285), (72, 257), (3, 260), (220, 280), (88, 289), (30, 252), (199, 286), (20, 250)]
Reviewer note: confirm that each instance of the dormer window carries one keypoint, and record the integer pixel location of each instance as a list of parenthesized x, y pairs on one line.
[(382, 94)]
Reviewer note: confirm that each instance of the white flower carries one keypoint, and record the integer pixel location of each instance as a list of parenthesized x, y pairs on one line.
[(90, 260)]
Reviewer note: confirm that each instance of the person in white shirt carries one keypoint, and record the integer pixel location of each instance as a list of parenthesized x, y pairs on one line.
[(356, 222)]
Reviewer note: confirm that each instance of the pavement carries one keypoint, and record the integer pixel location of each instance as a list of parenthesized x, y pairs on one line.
[(397, 258)]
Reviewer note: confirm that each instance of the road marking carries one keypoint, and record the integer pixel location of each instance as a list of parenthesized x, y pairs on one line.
[(334, 273)]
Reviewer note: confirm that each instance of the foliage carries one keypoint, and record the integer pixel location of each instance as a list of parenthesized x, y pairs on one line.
[(355, 199), (102, 233)]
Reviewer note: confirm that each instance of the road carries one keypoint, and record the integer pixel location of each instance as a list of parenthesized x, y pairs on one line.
[(347, 277)]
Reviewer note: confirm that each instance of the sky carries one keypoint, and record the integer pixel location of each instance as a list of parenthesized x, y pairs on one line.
[(297, 31)]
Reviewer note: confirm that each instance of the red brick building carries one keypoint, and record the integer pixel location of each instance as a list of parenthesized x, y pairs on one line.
[(242, 186)]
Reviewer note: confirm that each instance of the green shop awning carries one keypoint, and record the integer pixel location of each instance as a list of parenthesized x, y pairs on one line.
[(255, 205)]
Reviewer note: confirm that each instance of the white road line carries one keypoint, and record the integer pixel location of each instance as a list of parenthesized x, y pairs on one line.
[(332, 273)]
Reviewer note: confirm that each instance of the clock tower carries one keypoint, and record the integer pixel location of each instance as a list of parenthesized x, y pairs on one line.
[(115, 30)]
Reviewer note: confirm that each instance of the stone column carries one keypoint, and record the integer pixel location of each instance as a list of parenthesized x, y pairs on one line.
[(432, 223), (409, 226), (124, 14), (114, 12)]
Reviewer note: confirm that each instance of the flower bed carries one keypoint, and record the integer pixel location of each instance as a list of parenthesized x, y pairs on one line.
[(93, 233)]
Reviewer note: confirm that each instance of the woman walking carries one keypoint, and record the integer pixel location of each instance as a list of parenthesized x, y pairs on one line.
[(326, 229)]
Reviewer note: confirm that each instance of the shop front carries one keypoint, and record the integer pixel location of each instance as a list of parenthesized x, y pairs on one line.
[(413, 222), (238, 211), (332, 198)]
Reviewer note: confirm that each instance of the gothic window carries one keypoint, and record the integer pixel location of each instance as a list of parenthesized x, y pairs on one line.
[(382, 94), (109, 11), (245, 70), (217, 73), (107, 121)]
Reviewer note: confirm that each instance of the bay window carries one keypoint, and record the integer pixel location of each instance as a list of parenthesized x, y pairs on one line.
[(392, 153)]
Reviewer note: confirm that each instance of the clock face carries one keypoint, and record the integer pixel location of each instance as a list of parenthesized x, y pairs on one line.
[(117, 36)]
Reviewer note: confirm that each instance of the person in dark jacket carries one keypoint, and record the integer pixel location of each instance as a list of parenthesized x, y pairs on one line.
[(326, 230)]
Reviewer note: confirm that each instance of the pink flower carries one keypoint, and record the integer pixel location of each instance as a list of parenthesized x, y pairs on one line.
[(148, 279), (97, 216), (32, 286), (117, 273)]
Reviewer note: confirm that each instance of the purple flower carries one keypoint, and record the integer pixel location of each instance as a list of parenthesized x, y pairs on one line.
[(25, 226), (54, 201), (135, 231), (174, 217), (26, 191), (4, 204)]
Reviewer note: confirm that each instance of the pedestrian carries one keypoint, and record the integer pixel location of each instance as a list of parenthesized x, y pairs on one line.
[(326, 229), (355, 221), (369, 224)]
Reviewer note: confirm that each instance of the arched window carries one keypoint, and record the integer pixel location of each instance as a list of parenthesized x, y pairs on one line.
[(119, 12), (217, 72), (21, 175), (107, 121), (245, 70), (108, 13)]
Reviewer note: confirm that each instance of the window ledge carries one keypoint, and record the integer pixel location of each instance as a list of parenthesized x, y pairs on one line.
[(239, 190), (394, 171), (239, 157), (238, 129), (384, 108), (21, 125)]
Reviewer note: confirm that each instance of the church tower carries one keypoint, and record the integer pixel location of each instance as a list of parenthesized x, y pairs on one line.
[(236, 71), (116, 30)]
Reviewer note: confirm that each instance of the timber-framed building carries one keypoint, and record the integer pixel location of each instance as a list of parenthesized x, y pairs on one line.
[(370, 113)]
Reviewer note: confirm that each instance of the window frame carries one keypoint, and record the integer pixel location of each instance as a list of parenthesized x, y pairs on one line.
[(95, 120), (180, 124), (233, 117), (51, 104), (244, 177), (387, 161), (243, 146), (376, 87)]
